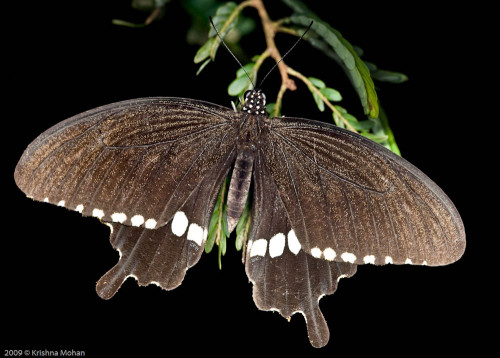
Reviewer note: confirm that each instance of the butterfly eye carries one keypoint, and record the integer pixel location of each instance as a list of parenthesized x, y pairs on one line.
[(263, 98), (247, 93)]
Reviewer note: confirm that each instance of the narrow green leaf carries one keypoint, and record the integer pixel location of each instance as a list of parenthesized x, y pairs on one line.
[(218, 219), (389, 76), (204, 51), (338, 121), (203, 65), (361, 126), (319, 101), (126, 23), (242, 228), (317, 82), (340, 109), (380, 138), (391, 141), (222, 15), (331, 94)]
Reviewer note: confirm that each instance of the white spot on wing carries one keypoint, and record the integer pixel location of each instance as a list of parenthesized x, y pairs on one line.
[(329, 254), (79, 208), (179, 223), (98, 213), (259, 248), (293, 243), (348, 257), (119, 217), (150, 224), (277, 245), (137, 220), (369, 259), (195, 233), (408, 262), (316, 252), (388, 260), (61, 203), (46, 200)]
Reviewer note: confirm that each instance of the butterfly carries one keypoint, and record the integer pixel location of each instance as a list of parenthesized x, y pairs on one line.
[(323, 199)]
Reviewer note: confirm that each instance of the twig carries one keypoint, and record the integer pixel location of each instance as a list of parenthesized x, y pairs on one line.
[(269, 32), (313, 88)]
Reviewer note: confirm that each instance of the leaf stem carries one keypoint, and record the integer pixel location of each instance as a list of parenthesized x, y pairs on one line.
[(314, 89)]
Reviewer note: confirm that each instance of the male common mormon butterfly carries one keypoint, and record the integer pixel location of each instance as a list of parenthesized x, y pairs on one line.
[(324, 199)]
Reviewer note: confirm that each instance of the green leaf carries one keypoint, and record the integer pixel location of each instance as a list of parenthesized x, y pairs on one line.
[(361, 126), (218, 221), (331, 94), (317, 82), (224, 19), (203, 65), (357, 71), (243, 226), (204, 51), (379, 138), (126, 23), (222, 15), (338, 121), (391, 141), (238, 86), (270, 107), (319, 101), (389, 76), (248, 67)]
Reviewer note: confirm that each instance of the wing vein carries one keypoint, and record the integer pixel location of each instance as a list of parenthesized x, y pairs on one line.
[(325, 169)]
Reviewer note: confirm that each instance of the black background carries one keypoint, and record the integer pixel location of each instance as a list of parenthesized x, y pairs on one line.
[(67, 57)]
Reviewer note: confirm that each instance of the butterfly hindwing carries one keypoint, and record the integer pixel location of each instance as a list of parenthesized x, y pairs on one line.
[(162, 256), (351, 200), (286, 278), (133, 162)]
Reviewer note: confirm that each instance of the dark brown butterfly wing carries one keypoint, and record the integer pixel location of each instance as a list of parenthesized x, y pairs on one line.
[(349, 199), (285, 277), (134, 162), (162, 256), (152, 167)]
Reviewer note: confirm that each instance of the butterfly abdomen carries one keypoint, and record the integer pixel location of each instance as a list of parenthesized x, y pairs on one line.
[(239, 187)]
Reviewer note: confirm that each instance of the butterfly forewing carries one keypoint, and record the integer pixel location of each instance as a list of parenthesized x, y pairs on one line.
[(351, 200), (134, 162)]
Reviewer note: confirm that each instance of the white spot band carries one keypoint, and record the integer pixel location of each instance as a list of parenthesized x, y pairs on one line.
[(179, 223)]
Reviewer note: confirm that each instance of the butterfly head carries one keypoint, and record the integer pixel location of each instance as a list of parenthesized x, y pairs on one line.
[(255, 102)]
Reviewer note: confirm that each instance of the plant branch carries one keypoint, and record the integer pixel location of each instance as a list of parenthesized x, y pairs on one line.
[(269, 28), (314, 89)]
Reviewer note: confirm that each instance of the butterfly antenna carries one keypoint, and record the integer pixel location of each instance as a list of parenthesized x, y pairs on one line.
[(232, 54), (281, 59)]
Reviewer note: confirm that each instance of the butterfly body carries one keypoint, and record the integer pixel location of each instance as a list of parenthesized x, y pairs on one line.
[(324, 199)]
